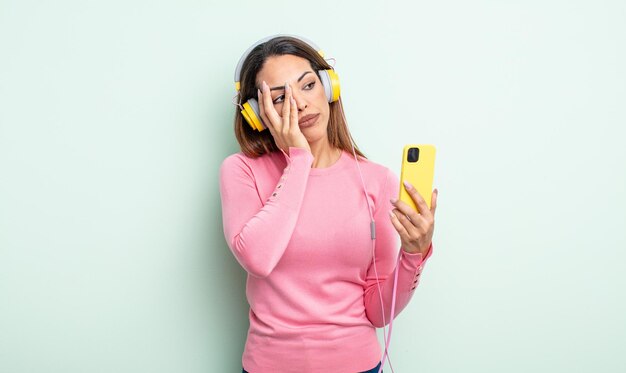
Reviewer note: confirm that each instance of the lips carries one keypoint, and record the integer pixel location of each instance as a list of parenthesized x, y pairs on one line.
[(308, 119)]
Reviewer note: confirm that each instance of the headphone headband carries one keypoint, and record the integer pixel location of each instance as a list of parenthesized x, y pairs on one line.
[(247, 52)]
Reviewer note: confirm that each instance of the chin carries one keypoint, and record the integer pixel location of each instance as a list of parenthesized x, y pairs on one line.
[(315, 134)]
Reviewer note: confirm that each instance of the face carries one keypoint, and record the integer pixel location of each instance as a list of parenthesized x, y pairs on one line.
[(307, 91)]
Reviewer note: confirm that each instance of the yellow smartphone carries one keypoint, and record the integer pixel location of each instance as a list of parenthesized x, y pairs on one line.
[(418, 168)]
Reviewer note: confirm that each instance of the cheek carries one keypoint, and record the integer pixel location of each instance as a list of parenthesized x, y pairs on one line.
[(321, 94)]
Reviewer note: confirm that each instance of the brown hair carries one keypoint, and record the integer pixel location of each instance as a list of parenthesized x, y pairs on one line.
[(253, 143)]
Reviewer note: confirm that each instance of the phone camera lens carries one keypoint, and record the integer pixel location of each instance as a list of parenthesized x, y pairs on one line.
[(413, 155)]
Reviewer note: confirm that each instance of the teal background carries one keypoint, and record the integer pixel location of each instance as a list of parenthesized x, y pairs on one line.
[(115, 116)]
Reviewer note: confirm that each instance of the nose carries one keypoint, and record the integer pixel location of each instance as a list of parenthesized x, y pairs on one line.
[(300, 103)]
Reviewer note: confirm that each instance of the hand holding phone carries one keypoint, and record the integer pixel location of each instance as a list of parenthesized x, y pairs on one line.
[(413, 218)]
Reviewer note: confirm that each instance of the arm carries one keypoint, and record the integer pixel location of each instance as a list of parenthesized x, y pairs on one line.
[(409, 268), (258, 234)]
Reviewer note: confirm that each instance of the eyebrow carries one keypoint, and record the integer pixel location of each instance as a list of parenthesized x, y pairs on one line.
[(282, 87)]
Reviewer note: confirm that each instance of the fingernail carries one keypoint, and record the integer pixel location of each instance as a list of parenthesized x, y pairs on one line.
[(264, 85), (392, 214), (287, 86), (408, 185), (393, 201), (258, 91)]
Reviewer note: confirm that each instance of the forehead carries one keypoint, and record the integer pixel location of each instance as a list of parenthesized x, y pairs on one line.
[(280, 69)]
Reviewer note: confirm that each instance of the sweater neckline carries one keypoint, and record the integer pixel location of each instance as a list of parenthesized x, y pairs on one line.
[(340, 164)]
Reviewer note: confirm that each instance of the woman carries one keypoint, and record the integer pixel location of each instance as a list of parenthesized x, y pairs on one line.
[(296, 219)]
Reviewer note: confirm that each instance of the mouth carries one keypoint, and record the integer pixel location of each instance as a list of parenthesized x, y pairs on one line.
[(308, 120)]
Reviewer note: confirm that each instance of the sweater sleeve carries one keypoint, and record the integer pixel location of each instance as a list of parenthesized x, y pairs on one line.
[(386, 250), (258, 234)]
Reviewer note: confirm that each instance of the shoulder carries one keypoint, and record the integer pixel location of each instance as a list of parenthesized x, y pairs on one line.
[(235, 163), (235, 160), (239, 163), (376, 171)]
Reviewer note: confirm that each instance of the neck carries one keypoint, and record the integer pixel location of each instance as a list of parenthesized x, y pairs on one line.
[(325, 155)]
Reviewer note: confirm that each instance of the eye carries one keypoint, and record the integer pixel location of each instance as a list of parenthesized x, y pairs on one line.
[(279, 97)]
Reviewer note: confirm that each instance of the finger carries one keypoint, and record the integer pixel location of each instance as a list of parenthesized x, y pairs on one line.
[(270, 112), (264, 118), (398, 226), (414, 226), (422, 207), (293, 120), (286, 108), (405, 209), (433, 201)]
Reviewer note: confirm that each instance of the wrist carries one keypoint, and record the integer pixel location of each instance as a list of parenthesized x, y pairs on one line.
[(417, 251)]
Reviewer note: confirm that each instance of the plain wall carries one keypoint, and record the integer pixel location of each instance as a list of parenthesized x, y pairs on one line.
[(115, 116)]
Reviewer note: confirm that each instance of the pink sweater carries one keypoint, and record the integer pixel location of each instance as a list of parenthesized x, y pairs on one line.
[(302, 234)]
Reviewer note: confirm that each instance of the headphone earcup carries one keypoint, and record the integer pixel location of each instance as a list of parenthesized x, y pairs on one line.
[(252, 114), (330, 81)]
